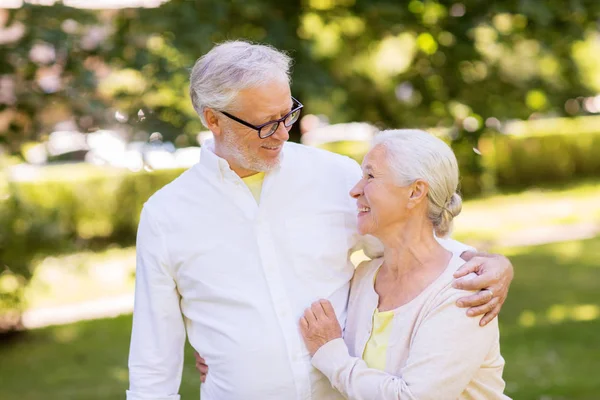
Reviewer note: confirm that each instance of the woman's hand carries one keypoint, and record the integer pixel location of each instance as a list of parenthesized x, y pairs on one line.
[(201, 366), (319, 325)]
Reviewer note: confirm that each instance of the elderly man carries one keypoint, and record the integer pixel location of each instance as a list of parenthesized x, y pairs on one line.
[(236, 248)]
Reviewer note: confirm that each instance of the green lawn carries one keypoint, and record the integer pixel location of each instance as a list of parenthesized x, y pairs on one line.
[(77, 277), (549, 327), (550, 323), (487, 221), (81, 361)]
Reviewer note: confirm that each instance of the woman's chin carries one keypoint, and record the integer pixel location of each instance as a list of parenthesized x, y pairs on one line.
[(364, 229)]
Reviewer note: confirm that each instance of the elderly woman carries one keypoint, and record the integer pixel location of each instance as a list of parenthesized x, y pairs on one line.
[(405, 338)]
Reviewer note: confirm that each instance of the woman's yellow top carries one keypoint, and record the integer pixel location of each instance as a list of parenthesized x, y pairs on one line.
[(376, 348)]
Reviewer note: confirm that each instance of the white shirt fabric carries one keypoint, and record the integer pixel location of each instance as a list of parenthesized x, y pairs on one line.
[(236, 276)]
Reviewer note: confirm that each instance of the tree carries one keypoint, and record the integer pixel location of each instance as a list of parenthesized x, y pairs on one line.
[(422, 63)]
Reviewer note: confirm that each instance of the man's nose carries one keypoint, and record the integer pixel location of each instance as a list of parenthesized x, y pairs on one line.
[(282, 133)]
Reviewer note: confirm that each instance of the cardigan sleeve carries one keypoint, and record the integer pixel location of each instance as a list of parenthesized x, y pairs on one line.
[(446, 352)]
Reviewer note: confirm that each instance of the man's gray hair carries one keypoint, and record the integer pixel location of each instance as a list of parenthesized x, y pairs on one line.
[(219, 75)]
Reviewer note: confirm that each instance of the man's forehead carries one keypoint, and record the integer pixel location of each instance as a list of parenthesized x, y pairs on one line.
[(265, 105), (281, 109), (270, 94)]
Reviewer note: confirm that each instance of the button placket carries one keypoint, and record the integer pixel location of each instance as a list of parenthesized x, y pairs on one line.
[(282, 307)]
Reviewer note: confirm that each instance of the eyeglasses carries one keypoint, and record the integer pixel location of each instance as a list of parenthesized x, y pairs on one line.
[(269, 128)]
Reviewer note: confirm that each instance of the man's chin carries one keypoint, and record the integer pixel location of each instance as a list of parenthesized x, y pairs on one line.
[(270, 164), (264, 166), (274, 164)]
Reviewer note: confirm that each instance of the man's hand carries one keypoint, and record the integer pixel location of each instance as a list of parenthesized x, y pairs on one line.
[(319, 325), (495, 273), (201, 367)]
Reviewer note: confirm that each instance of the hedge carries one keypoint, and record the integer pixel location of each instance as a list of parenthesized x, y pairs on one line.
[(66, 210), (511, 162), (61, 210), (64, 214), (524, 161)]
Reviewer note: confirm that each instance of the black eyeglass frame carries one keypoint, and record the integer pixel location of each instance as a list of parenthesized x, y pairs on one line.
[(258, 128)]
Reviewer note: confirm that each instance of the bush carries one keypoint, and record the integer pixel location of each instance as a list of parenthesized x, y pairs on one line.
[(60, 214), (568, 150), (523, 161)]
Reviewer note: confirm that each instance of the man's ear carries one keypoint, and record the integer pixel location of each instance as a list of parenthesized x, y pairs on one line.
[(417, 193), (212, 121)]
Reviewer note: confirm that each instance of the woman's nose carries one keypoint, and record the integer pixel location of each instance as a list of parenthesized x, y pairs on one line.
[(357, 190)]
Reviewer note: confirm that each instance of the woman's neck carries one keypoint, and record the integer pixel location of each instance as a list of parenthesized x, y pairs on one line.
[(412, 260), (411, 251)]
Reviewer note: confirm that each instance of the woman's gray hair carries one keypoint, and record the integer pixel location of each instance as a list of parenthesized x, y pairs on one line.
[(219, 75), (415, 154)]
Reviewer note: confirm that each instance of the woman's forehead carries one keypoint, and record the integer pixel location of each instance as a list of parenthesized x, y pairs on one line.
[(375, 158)]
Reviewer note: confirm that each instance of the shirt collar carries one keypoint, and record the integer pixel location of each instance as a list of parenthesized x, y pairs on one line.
[(211, 161)]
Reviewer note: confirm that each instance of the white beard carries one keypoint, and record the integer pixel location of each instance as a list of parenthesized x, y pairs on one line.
[(233, 150)]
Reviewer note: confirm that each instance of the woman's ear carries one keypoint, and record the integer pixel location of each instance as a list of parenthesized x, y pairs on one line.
[(418, 191)]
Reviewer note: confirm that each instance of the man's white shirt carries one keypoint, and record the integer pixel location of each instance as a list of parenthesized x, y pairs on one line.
[(237, 276)]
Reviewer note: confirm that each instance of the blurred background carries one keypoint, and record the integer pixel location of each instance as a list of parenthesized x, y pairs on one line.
[(95, 116)]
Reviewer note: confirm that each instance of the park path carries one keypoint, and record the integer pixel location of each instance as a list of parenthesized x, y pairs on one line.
[(114, 306)]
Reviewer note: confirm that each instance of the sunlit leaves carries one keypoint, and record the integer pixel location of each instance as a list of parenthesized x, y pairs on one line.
[(536, 100), (587, 54)]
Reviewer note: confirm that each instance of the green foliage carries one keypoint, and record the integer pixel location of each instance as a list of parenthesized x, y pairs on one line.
[(65, 214), (47, 71), (510, 162), (548, 159), (394, 64)]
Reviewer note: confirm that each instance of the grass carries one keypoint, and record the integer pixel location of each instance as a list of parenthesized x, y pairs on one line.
[(490, 220), (549, 338), (73, 278), (81, 361), (549, 325)]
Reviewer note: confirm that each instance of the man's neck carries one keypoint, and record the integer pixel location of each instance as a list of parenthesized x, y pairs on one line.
[(239, 171)]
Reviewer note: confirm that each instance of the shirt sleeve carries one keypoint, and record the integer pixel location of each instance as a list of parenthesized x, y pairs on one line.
[(158, 333), (454, 246), (447, 351)]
